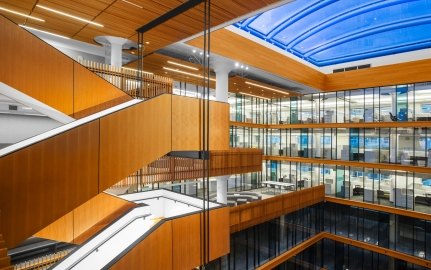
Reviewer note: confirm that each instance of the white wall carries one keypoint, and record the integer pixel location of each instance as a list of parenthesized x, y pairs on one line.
[(15, 128)]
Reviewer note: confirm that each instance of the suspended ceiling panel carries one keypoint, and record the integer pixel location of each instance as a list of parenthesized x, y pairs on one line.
[(121, 18)]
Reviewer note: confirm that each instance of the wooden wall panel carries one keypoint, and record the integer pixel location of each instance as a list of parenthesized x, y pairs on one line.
[(87, 219), (35, 68), (132, 138), (250, 214), (219, 126), (154, 252), (238, 48), (92, 91), (60, 230), (219, 232), (186, 123), (409, 72), (186, 242), (41, 183)]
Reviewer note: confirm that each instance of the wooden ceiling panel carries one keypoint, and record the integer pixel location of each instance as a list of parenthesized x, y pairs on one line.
[(122, 19), (241, 49), (238, 84)]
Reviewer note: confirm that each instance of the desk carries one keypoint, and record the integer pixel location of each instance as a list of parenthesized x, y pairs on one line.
[(279, 185)]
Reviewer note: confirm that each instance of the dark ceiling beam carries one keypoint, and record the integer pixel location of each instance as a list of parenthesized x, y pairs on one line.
[(169, 15)]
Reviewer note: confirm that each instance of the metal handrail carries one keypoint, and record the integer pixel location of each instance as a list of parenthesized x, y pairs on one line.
[(106, 240)]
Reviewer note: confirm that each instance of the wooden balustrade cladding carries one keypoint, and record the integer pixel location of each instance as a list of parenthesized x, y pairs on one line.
[(222, 162), (87, 219), (127, 79), (39, 70), (176, 243), (46, 180), (250, 214)]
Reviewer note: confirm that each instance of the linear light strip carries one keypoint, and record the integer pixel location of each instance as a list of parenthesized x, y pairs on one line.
[(181, 65), (242, 93), (70, 16), (132, 69), (21, 14), (42, 31), (133, 4), (187, 73), (266, 87)]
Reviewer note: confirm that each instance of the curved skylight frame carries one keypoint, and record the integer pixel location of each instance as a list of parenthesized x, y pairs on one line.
[(385, 27)]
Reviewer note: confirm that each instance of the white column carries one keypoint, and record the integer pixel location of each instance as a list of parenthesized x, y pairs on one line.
[(116, 44), (222, 70), (222, 188)]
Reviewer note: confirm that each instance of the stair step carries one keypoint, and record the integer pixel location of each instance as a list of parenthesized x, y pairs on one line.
[(4, 262), (3, 252), (7, 268)]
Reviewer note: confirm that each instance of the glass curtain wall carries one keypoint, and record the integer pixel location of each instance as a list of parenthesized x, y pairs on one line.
[(409, 102)]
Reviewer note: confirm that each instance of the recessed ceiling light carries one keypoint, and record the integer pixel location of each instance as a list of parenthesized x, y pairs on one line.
[(133, 4), (266, 87), (147, 42), (46, 32), (242, 93), (70, 16), (181, 65), (186, 73), (21, 14)]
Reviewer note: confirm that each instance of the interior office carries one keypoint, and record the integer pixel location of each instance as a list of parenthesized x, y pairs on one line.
[(407, 146)]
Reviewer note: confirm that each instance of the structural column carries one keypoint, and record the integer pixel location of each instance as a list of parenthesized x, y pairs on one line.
[(222, 70), (114, 48), (222, 188)]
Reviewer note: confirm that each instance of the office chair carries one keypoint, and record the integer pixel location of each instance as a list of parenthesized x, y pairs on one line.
[(393, 117)]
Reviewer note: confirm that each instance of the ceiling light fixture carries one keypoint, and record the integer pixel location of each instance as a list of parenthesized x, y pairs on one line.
[(21, 14), (181, 65), (132, 69), (266, 87), (242, 93), (133, 4), (70, 16), (46, 32), (187, 73)]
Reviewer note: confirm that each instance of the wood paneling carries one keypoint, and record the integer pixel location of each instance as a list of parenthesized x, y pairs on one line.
[(122, 19), (86, 220), (383, 166), (235, 161), (132, 138), (219, 232), (186, 242), (42, 182), (250, 214), (238, 84), (186, 123), (35, 68), (238, 48), (219, 126), (44, 73), (409, 72), (154, 252), (176, 243), (91, 91), (382, 208), (60, 230)]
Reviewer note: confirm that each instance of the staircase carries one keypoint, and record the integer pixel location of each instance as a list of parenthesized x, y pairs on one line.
[(4, 258)]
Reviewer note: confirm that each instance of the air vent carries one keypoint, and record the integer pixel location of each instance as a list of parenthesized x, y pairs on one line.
[(13, 108), (338, 70)]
